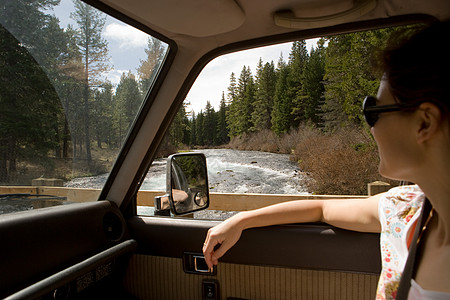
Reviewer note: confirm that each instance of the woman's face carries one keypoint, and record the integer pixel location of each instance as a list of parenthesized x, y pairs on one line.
[(393, 133)]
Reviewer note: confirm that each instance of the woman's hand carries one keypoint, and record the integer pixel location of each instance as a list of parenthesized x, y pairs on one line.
[(221, 238)]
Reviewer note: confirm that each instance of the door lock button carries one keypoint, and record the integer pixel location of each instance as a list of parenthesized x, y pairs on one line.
[(210, 289)]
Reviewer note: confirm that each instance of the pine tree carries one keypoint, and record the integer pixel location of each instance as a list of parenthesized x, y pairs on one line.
[(222, 130), (179, 129), (199, 129), (102, 114), (231, 116), (281, 113), (30, 112), (126, 101), (193, 132), (334, 115), (93, 49), (209, 125), (264, 94), (70, 88), (231, 96), (312, 93), (348, 72), (148, 68), (296, 65), (239, 115)]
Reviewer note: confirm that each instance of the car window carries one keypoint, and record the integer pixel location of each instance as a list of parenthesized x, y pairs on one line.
[(280, 123), (72, 82)]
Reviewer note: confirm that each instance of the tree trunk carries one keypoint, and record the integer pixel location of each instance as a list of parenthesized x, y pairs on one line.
[(58, 150), (11, 155), (3, 167), (65, 148), (87, 138)]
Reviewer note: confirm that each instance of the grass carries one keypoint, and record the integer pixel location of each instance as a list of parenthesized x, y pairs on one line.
[(63, 168)]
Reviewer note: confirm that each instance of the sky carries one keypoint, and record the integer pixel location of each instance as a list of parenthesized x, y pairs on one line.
[(126, 50), (215, 77), (125, 44)]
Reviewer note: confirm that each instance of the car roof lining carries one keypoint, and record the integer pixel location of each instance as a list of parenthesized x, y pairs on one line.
[(226, 20)]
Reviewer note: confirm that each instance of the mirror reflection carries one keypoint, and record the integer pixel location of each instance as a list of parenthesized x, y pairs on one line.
[(187, 182)]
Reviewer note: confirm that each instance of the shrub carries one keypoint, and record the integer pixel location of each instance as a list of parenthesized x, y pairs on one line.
[(340, 163), (343, 162)]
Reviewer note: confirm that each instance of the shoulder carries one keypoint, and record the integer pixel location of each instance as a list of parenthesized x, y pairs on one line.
[(405, 193), (403, 202)]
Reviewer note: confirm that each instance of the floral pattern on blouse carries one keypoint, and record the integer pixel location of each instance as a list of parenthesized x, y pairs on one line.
[(398, 210)]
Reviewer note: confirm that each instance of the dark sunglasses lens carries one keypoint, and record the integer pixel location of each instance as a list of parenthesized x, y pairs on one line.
[(370, 116)]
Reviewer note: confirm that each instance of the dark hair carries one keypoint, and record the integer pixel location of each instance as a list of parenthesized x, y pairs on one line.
[(418, 68)]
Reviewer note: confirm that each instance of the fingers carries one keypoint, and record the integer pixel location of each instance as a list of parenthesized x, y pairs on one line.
[(218, 241), (219, 252), (208, 250)]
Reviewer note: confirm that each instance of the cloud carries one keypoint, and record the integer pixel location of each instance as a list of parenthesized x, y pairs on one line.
[(215, 77), (114, 75), (128, 37)]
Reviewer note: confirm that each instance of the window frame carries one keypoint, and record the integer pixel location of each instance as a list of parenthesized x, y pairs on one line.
[(129, 204)]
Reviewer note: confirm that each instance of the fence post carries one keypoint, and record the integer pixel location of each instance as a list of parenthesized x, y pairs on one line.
[(377, 187), (47, 182)]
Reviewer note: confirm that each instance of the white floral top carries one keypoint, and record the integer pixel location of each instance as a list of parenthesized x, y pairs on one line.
[(398, 210)]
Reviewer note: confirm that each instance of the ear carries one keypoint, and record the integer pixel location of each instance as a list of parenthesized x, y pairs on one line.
[(429, 116)]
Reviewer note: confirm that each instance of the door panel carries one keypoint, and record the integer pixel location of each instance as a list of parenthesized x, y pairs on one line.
[(157, 277), (92, 278), (36, 245), (308, 261)]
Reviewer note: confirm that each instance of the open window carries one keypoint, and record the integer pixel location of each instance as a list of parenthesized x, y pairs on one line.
[(66, 105), (280, 123)]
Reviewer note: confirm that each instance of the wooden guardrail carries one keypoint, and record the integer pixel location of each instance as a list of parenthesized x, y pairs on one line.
[(218, 201)]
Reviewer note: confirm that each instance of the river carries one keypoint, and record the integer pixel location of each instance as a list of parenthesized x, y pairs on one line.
[(229, 171)]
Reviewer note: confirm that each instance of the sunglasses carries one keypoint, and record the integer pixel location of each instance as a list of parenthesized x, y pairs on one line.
[(372, 111)]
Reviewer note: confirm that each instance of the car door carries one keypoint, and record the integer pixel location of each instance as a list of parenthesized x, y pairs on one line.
[(312, 261), (111, 248), (60, 129), (296, 261)]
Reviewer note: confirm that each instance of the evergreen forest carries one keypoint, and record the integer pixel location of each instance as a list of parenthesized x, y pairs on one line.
[(323, 88), (55, 102)]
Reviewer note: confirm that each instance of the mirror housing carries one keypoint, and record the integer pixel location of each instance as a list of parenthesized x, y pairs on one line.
[(187, 183)]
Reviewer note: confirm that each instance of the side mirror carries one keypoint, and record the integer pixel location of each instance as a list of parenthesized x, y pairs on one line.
[(187, 183)]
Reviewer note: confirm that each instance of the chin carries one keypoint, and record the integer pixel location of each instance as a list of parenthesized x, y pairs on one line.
[(393, 175), (385, 173)]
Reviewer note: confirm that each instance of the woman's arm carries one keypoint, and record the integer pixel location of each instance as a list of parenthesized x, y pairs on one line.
[(352, 214)]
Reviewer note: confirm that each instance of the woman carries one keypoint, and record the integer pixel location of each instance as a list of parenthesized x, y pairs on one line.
[(410, 122)]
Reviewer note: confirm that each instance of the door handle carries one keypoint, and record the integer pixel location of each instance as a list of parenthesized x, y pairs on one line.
[(194, 263)]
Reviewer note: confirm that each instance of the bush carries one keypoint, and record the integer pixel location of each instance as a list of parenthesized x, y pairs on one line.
[(341, 163)]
